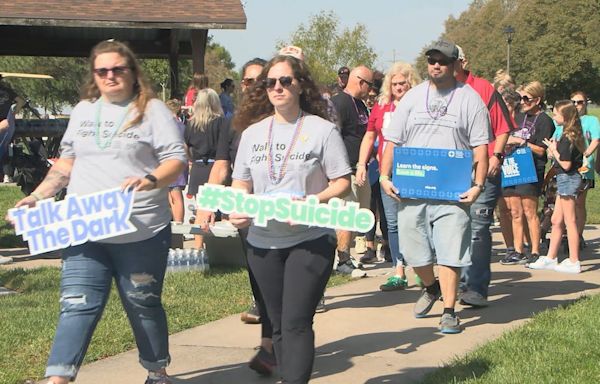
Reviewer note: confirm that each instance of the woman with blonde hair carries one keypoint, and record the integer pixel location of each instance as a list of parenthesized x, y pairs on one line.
[(399, 79), (119, 134), (534, 126), (201, 136), (503, 81)]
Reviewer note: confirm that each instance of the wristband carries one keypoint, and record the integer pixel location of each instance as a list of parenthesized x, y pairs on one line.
[(499, 155), (35, 196), (480, 186), (152, 178), (360, 165), (383, 178)]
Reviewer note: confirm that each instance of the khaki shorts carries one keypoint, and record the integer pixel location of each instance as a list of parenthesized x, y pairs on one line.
[(361, 195)]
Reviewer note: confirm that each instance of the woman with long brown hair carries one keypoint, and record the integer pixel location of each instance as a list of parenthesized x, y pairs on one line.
[(120, 134), (289, 149)]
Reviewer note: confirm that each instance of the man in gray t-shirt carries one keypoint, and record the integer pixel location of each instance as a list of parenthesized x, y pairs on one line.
[(446, 114)]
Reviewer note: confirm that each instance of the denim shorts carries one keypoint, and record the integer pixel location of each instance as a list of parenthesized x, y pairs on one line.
[(568, 184), (434, 230)]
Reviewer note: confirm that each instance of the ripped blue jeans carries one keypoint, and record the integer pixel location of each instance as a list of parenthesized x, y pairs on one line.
[(138, 269)]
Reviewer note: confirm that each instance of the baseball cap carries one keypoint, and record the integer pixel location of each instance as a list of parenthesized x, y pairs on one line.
[(293, 51), (445, 47), (343, 71)]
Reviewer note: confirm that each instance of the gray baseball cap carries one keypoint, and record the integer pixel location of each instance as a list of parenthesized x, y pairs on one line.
[(445, 47)]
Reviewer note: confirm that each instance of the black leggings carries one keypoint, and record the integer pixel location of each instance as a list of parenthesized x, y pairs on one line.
[(377, 207), (266, 331), (292, 281)]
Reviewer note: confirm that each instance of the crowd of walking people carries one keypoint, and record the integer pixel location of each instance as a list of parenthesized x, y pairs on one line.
[(347, 134)]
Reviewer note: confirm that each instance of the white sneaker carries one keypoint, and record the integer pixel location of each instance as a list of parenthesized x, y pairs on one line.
[(5, 260), (360, 244), (567, 266), (543, 262)]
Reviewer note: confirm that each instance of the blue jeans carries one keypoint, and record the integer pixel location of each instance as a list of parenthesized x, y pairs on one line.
[(87, 273), (477, 276), (390, 209)]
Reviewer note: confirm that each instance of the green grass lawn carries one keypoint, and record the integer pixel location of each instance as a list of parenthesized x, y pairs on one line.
[(9, 195), (28, 320), (558, 346)]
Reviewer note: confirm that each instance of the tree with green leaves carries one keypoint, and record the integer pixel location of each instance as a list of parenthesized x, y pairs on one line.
[(554, 42), (326, 48)]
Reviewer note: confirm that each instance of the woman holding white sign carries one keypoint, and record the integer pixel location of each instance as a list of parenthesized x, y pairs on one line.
[(118, 135), (289, 149)]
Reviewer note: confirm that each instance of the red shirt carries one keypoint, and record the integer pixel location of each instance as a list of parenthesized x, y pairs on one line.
[(500, 118), (375, 123)]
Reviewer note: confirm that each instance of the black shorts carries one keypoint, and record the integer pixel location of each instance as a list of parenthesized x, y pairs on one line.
[(198, 176)]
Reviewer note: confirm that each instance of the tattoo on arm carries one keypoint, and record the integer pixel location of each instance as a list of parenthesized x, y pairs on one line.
[(54, 182)]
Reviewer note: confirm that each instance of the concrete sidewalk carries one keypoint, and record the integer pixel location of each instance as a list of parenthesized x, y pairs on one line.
[(367, 336)]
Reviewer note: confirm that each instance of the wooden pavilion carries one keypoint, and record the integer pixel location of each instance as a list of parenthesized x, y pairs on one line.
[(153, 28)]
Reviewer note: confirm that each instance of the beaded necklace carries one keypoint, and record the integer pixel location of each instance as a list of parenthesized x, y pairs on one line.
[(442, 110), (108, 142), (276, 179)]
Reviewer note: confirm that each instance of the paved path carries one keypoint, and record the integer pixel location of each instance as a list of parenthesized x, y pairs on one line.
[(366, 336)]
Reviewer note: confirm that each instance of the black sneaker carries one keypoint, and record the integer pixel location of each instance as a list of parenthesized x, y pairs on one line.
[(345, 268), (369, 257), (514, 258), (532, 258), (263, 362)]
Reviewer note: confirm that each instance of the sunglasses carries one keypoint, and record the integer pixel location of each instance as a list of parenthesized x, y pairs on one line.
[(527, 99), (369, 83), (443, 61), (247, 81), (578, 102), (117, 71), (400, 83), (285, 81)]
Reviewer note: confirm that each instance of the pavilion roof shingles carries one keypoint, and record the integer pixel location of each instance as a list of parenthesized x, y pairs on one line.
[(215, 14)]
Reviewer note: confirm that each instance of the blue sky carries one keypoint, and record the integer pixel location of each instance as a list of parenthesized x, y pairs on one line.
[(396, 27)]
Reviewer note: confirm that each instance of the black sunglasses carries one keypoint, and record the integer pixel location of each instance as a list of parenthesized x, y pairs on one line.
[(285, 81), (527, 99), (117, 71), (443, 61), (369, 83), (578, 102)]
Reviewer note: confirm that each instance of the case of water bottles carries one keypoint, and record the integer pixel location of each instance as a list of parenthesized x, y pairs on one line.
[(180, 260)]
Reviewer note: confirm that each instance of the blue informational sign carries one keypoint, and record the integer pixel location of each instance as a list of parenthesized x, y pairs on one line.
[(427, 173), (518, 168)]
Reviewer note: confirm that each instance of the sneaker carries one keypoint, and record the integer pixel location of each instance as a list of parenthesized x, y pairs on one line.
[(370, 257), (252, 315), (263, 362), (514, 258), (567, 266), (394, 283), (348, 268), (7, 179), (543, 262), (360, 244), (5, 260), (157, 378), (532, 258), (425, 303), (472, 298), (450, 324), (321, 306)]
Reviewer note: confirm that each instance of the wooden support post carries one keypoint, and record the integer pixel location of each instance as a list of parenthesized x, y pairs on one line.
[(174, 62), (199, 40)]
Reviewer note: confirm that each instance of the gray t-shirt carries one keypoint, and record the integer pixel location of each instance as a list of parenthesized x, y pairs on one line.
[(136, 151), (465, 125), (318, 156)]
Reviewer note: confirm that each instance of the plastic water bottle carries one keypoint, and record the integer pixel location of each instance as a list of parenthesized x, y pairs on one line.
[(203, 259), (170, 260), (178, 265)]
